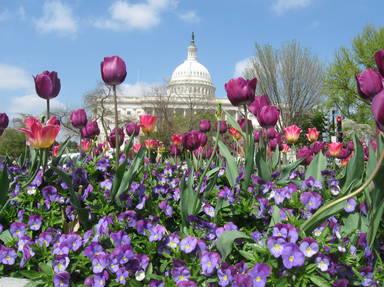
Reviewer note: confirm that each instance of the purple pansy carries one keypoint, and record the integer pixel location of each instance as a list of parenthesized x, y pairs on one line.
[(209, 261), (188, 244), (292, 256), (309, 247)]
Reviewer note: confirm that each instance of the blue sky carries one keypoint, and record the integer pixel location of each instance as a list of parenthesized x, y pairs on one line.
[(72, 37)]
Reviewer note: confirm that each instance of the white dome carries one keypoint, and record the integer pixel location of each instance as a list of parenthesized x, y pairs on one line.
[(191, 71), (191, 78)]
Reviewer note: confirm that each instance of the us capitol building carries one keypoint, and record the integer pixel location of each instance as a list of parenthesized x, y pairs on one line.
[(190, 88)]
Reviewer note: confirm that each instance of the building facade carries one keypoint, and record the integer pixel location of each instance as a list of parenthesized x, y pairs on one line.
[(190, 88)]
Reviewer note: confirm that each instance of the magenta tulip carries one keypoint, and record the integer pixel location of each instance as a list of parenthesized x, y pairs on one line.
[(4, 121), (243, 124), (379, 58), (91, 130), (78, 118), (259, 102), (174, 150), (113, 70), (223, 127), (47, 85), (268, 116), (256, 136), (241, 91), (191, 140), (112, 137), (378, 110), (203, 139), (132, 129), (369, 83), (205, 126)]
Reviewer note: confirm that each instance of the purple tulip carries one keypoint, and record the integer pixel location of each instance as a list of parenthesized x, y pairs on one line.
[(378, 110), (91, 130), (223, 127), (268, 116), (4, 121), (205, 126), (47, 85), (174, 150), (78, 118), (259, 102), (306, 154), (379, 58), (113, 70), (132, 129), (191, 140), (256, 136), (369, 83), (241, 91)]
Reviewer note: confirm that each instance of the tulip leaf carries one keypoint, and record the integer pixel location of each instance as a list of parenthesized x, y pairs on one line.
[(249, 162), (263, 168), (231, 170), (233, 123), (355, 168), (286, 171), (317, 165), (225, 241), (4, 185), (275, 159), (130, 174), (189, 199)]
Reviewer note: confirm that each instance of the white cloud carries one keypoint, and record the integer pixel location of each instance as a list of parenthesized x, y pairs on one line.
[(57, 17), (138, 89), (282, 6), (240, 67), (125, 15), (14, 78), (190, 17), (32, 104), (21, 12)]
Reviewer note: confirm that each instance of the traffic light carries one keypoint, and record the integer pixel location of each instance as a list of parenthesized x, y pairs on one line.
[(339, 128)]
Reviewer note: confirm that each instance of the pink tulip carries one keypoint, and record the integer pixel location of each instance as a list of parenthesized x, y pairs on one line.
[(40, 135), (312, 135), (334, 149), (177, 139), (292, 134), (148, 123), (85, 145)]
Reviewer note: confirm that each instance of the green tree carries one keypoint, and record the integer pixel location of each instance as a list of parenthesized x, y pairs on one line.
[(12, 143), (340, 84)]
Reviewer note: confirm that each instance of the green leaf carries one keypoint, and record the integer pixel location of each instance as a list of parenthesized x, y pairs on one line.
[(29, 274), (233, 123), (319, 281), (225, 241), (275, 159), (4, 186), (130, 174), (287, 170), (317, 165), (351, 223), (231, 170), (188, 198), (355, 167), (263, 168), (6, 237)]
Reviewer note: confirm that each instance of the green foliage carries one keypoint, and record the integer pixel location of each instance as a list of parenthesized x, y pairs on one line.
[(12, 142), (340, 85), (315, 118)]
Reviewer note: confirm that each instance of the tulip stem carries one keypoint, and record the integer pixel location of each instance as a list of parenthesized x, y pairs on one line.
[(117, 140), (47, 110)]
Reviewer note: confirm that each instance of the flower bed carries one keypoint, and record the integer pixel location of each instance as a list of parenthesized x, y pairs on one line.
[(195, 215)]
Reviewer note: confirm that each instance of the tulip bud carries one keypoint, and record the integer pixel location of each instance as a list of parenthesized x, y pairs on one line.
[(47, 85), (4, 121), (256, 136), (268, 116), (78, 118), (259, 102), (205, 126), (272, 144), (222, 126), (379, 58), (91, 130), (378, 110), (112, 137), (113, 70), (271, 133), (369, 83), (132, 129), (191, 140), (241, 91)]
